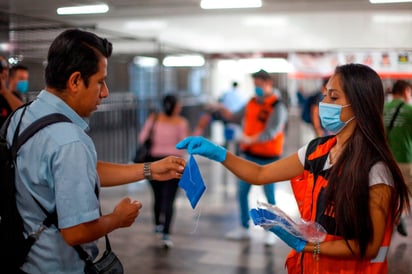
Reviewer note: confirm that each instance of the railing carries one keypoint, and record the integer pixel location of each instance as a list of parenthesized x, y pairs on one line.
[(115, 125)]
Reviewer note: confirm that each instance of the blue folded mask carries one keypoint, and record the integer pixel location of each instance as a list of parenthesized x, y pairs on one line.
[(192, 182)]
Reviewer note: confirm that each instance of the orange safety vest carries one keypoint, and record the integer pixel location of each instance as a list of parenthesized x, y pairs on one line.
[(307, 189), (254, 122)]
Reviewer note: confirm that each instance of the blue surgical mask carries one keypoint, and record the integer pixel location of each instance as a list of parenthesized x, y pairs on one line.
[(259, 91), (330, 117), (22, 86)]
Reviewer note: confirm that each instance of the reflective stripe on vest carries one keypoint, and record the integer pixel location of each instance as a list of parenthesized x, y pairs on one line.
[(381, 257)]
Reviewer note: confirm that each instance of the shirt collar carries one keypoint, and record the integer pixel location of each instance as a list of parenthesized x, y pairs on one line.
[(61, 107)]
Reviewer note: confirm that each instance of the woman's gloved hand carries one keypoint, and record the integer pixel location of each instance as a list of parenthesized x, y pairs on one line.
[(294, 242), (202, 146), (280, 226)]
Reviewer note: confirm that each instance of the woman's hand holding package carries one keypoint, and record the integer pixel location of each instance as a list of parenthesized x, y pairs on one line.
[(280, 226)]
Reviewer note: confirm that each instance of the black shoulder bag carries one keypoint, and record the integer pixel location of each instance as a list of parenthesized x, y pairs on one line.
[(109, 263)]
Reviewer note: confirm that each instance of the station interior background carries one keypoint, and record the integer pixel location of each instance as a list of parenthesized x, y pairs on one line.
[(298, 41)]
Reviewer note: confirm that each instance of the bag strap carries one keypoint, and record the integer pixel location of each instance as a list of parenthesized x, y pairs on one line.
[(85, 256), (5, 126), (37, 125), (19, 140), (151, 128), (398, 108), (79, 249)]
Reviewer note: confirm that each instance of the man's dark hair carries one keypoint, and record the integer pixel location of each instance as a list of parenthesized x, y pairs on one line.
[(74, 50), (15, 68), (399, 87), (262, 74)]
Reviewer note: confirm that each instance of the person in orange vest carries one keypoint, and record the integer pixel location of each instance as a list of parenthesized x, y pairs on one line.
[(351, 184), (263, 120)]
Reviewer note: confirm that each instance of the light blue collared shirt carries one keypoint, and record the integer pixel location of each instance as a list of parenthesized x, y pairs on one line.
[(58, 166)]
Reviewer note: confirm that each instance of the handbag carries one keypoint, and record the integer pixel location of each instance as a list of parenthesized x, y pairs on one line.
[(143, 149), (109, 263)]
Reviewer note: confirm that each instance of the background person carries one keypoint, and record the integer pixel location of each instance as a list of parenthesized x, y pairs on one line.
[(19, 80), (8, 100), (398, 126), (263, 119), (58, 166), (233, 100), (314, 111), (168, 128), (353, 187)]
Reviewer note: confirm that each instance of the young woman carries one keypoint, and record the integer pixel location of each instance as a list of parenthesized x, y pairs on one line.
[(348, 182), (168, 128)]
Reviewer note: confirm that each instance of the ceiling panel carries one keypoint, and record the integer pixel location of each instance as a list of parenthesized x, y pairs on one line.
[(159, 26)]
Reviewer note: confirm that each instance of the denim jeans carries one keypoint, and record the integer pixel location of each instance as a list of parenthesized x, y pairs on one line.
[(244, 188)]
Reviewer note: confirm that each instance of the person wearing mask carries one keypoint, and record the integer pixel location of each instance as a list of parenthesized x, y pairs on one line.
[(9, 101), (233, 100), (398, 126), (167, 128), (352, 185), (263, 119), (19, 80), (59, 167)]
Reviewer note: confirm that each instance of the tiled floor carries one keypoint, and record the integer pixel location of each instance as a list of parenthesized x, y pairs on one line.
[(198, 235)]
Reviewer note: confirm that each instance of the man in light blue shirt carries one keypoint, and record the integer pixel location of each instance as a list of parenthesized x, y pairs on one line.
[(58, 166), (233, 100)]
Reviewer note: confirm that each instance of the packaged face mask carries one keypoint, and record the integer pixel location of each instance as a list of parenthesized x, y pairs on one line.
[(192, 182)]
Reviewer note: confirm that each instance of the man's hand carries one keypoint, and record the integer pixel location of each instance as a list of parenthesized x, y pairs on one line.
[(167, 168), (127, 211)]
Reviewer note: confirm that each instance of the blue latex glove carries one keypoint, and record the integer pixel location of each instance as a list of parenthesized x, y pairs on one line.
[(294, 242), (201, 146), (282, 229)]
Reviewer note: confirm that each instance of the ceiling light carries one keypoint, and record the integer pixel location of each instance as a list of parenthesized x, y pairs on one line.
[(5, 47), (388, 18), (275, 65), (389, 1), (230, 4), (145, 61), (89, 9), (183, 61)]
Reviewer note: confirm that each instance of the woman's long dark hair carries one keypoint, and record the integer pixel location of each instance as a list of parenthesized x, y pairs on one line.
[(169, 104), (349, 177)]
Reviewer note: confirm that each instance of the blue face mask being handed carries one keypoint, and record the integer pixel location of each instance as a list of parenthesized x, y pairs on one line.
[(259, 91), (22, 86), (330, 117)]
